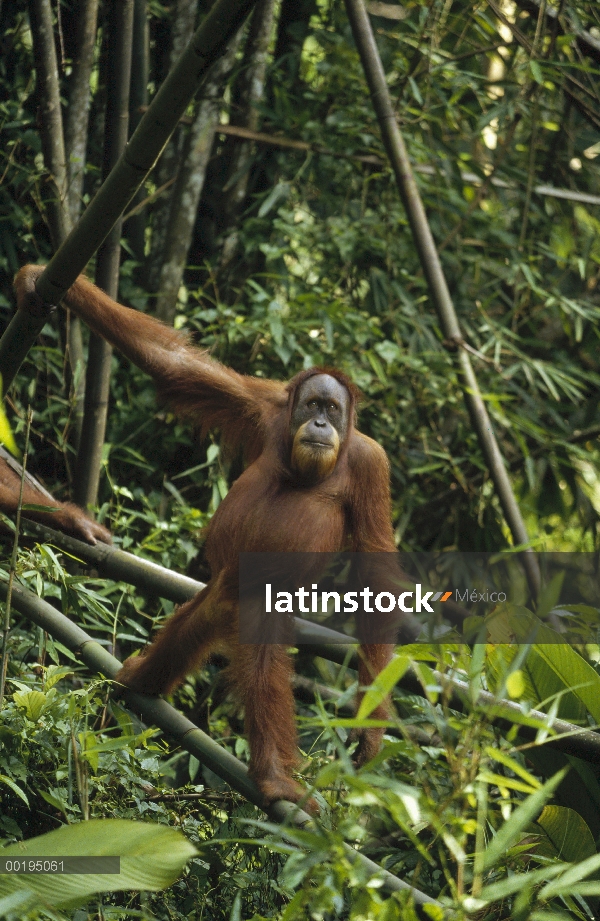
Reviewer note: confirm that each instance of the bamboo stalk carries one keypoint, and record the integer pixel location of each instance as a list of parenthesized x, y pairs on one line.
[(51, 133), (318, 641), (121, 566), (183, 19), (97, 379), (79, 98), (138, 102), (193, 160), (434, 274), (56, 145), (138, 158), (183, 731)]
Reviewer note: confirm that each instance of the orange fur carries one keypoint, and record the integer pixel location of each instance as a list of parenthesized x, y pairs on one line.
[(64, 516), (268, 509)]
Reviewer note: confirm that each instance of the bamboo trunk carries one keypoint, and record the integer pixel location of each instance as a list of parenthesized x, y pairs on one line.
[(97, 381), (434, 274), (185, 197)]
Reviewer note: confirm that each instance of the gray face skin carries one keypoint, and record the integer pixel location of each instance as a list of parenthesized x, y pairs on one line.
[(322, 407)]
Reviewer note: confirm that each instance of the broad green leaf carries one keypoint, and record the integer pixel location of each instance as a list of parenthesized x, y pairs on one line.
[(152, 857), (33, 702), (575, 673), (566, 834), (12, 903), (553, 667)]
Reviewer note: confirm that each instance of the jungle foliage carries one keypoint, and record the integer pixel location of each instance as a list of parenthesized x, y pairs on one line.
[(280, 251)]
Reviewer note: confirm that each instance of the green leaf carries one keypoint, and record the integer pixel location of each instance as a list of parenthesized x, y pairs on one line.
[(573, 875), (566, 835), (193, 767), (536, 71), (554, 666), (504, 758), (377, 367), (54, 673), (281, 190), (34, 703), (13, 786), (415, 90), (152, 857), (550, 595), (54, 801), (505, 887), (504, 783), (383, 684), (575, 673), (16, 901), (510, 832)]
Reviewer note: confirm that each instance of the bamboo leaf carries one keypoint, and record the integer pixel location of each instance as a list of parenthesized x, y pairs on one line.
[(574, 874), (14, 787), (383, 685), (536, 71)]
